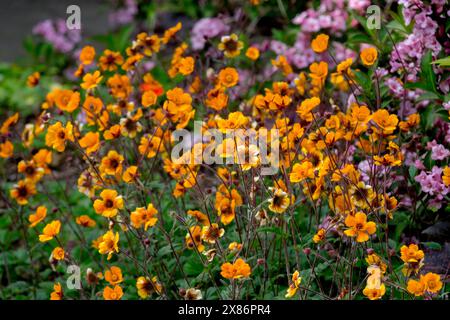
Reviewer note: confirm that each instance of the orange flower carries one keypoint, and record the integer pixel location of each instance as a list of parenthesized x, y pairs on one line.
[(186, 66), (90, 142), (112, 163), (57, 293), (38, 216), (170, 33), (210, 233), (149, 98), (32, 171), (252, 53), (22, 191), (432, 282), (387, 122), (130, 174), (85, 221), (108, 244), (199, 216), (359, 227), (194, 238), (416, 288), (114, 275), (120, 86), (67, 100), (411, 253), (369, 56), (446, 176), (216, 98), (115, 293), (146, 217), (91, 80), (412, 121), (301, 171), (110, 204), (57, 135), (230, 45), (33, 79), (320, 43), (50, 231), (110, 60), (239, 269), (146, 287), (228, 77), (58, 253), (147, 44), (8, 123), (6, 149), (150, 147), (319, 236), (305, 108), (113, 132), (87, 55)]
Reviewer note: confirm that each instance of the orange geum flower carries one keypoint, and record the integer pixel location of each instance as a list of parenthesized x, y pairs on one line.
[(120, 86), (412, 121), (67, 100), (411, 253), (91, 80), (293, 286), (319, 236), (33, 79), (110, 204), (10, 121), (239, 269), (211, 233), (22, 191), (50, 231), (319, 71), (186, 66), (149, 98), (252, 53), (111, 164), (301, 171), (305, 108), (146, 217), (387, 122), (375, 293), (320, 43), (170, 33), (113, 132), (446, 176), (280, 201), (150, 146), (230, 45), (130, 174), (228, 77), (110, 60), (57, 293), (58, 253), (114, 275), (416, 288), (199, 216), (57, 135), (90, 142), (236, 120), (194, 238), (147, 44), (38, 216), (85, 221), (31, 170), (146, 287), (115, 293), (432, 282), (6, 149), (216, 98), (109, 243), (359, 227), (87, 55), (369, 56)]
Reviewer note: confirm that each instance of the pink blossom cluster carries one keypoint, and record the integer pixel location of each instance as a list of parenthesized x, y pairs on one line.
[(207, 28), (431, 183), (407, 55), (57, 33)]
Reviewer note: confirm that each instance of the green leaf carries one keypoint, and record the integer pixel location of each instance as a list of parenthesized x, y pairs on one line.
[(432, 245), (444, 62)]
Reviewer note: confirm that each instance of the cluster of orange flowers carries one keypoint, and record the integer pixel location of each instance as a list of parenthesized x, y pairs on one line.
[(142, 114)]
